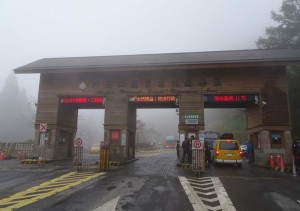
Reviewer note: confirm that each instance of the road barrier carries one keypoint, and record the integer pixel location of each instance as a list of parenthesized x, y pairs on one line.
[(19, 151)]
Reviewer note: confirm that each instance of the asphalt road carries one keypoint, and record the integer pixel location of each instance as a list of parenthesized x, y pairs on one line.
[(152, 182)]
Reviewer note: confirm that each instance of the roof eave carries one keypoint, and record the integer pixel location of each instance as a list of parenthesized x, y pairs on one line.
[(74, 69)]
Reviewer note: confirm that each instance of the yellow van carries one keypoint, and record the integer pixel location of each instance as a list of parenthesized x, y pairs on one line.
[(226, 150)]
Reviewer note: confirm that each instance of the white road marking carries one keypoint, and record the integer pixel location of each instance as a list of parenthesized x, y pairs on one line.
[(223, 197), (298, 201), (108, 206), (194, 199), (198, 202)]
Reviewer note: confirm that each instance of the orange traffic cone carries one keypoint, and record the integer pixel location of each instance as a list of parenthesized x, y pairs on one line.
[(278, 162), (2, 156), (272, 162)]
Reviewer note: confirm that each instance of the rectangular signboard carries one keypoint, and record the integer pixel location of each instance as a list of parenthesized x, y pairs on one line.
[(43, 138), (197, 160), (115, 135), (78, 156), (191, 121), (231, 98), (152, 99), (81, 100)]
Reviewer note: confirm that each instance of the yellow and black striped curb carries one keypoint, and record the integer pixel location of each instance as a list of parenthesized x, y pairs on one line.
[(184, 165), (118, 163), (33, 161)]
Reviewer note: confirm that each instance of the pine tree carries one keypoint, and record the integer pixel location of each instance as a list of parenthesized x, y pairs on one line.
[(287, 35), (16, 122)]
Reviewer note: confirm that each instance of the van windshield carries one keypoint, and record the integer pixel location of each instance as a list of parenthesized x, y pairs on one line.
[(229, 145)]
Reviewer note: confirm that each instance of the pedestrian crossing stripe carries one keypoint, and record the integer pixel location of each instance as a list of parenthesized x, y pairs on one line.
[(46, 189), (206, 193)]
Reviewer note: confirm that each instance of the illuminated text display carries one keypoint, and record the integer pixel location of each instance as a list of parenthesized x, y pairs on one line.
[(81, 100), (152, 99)]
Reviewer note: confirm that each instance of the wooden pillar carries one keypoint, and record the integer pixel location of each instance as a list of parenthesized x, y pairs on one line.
[(119, 126), (191, 114)]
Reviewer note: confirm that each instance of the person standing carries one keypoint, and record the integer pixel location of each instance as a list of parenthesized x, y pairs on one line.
[(249, 152), (185, 148), (296, 151), (190, 148), (207, 155), (177, 148)]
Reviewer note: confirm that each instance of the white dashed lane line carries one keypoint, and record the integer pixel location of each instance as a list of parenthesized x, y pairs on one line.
[(206, 193)]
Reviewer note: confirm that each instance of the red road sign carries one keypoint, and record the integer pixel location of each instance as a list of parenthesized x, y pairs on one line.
[(197, 144), (78, 142), (43, 127)]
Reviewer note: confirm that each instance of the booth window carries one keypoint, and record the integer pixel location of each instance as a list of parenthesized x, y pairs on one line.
[(64, 138), (276, 138)]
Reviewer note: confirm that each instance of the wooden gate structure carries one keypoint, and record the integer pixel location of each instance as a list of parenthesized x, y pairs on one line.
[(252, 79)]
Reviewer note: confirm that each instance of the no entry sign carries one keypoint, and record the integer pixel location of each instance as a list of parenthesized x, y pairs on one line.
[(43, 127), (78, 142)]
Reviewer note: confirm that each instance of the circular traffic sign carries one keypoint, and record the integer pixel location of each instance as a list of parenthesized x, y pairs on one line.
[(78, 142), (197, 144)]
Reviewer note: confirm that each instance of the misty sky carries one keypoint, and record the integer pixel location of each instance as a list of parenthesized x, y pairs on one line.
[(35, 29)]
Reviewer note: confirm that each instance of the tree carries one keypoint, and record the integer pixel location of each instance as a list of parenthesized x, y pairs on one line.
[(16, 112), (287, 35)]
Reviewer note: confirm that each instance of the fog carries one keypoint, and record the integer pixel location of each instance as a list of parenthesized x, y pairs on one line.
[(33, 29)]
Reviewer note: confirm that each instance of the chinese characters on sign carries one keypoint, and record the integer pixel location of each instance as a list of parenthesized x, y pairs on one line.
[(197, 155), (187, 82), (80, 100), (231, 98), (152, 99)]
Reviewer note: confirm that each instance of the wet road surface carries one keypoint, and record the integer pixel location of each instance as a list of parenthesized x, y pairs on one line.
[(153, 182)]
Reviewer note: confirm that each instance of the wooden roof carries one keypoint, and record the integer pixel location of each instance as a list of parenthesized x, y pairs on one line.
[(213, 59)]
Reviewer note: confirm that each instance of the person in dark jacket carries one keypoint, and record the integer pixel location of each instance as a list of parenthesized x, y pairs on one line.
[(177, 148), (296, 151), (190, 148), (185, 148), (207, 155)]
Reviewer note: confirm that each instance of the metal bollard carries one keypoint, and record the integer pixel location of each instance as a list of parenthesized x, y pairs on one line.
[(294, 167), (282, 165)]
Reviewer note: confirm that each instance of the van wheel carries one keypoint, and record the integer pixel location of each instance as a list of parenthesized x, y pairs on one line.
[(239, 165)]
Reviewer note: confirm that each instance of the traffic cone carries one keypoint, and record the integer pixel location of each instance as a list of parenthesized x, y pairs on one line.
[(272, 162), (282, 165), (278, 162), (2, 156)]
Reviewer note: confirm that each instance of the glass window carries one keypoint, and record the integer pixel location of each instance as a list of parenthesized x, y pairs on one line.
[(276, 138), (229, 145)]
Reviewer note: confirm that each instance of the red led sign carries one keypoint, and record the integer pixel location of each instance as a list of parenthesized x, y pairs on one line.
[(231, 98), (81, 100), (153, 99)]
